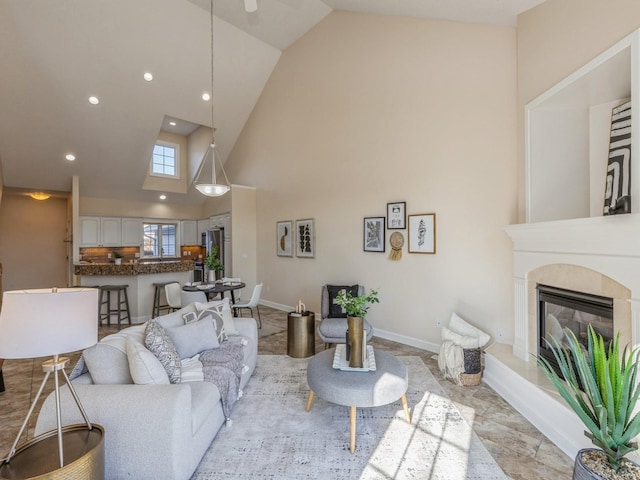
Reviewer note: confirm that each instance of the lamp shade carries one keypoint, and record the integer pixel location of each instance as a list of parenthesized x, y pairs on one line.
[(45, 322)]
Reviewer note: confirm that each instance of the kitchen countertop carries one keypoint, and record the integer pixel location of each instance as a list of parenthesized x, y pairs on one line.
[(140, 268)]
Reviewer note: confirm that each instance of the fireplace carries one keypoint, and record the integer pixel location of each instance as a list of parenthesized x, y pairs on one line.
[(599, 256), (560, 309)]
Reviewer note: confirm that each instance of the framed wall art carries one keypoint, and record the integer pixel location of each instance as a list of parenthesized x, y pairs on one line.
[(422, 233), (397, 215), (373, 234), (305, 238), (284, 238)]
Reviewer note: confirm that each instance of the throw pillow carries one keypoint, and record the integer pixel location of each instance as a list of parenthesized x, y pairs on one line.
[(194, 337), (145, 368), (335, 310), (107, 361), (227, 315), (158, 342), (218, 320)]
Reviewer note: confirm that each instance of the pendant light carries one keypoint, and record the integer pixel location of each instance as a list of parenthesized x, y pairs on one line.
[(213, 189)]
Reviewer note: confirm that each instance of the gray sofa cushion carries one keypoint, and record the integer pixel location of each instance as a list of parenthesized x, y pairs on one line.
[(107, 362), (174, 319), (194, 337)]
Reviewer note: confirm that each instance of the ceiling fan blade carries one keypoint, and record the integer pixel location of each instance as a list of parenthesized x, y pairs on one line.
[(251, 5)]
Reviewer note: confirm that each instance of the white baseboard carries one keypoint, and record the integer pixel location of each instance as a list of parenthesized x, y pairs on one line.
[(277, 306), (405, 340)]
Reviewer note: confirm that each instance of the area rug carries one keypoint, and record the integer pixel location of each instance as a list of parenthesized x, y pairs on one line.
[(272, 437)]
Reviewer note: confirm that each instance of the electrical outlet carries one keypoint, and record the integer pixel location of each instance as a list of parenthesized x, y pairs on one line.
[(500, 334), (439, 323)]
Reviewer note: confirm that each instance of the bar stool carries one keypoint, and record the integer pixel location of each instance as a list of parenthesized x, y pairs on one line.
[(157, 295), (121, 307)]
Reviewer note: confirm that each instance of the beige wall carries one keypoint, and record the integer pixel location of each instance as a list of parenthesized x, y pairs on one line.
[(243, 236), (32, 247), (128, 208), (365, 110), (558, 37)]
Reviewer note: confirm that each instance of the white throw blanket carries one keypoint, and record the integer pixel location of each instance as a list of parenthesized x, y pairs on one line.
[(451, 360)]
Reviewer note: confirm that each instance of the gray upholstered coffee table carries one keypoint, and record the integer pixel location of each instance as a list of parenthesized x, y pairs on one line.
[(385, 385)]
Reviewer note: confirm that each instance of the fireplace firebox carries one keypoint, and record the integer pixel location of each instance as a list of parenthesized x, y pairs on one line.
[(559, 309)]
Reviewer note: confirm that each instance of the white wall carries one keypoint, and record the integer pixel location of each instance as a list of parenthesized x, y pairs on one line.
[(365, 110)]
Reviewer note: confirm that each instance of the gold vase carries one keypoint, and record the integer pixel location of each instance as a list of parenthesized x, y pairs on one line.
[(356, 327)]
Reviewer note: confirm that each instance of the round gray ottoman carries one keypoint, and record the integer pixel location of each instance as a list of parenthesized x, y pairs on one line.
[(385, 385)]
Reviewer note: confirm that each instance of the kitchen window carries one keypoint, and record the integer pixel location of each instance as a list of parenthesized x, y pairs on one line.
[(160, 240), (164, 160)]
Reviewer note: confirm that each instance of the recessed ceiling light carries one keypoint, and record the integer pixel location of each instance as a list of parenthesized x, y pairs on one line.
[(70, 156), (94, 100), (206, 97), (163, 197), (173, 124), (148, 76)]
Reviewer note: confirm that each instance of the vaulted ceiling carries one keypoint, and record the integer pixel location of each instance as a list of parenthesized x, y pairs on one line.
[(54, 55)]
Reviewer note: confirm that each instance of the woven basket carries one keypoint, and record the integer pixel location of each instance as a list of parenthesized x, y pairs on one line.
[(470, 379)]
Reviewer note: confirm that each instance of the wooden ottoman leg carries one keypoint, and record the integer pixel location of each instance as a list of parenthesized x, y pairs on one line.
[(406, 408), (309, 400), (352, 429)]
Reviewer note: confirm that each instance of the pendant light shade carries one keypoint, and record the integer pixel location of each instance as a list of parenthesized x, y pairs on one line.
[(213, 189)]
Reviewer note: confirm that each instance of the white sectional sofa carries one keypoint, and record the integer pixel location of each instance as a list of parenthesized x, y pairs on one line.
[(152, 431)]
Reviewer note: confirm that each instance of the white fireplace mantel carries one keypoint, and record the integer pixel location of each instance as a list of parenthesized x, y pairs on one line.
[(607, 245)]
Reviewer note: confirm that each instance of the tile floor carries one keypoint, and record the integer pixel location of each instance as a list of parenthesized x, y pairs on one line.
[(518, 447)]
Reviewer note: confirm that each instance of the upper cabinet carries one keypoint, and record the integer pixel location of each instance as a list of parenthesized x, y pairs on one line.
[(132, 232), (567, 132), (100, 231), (189, 232)]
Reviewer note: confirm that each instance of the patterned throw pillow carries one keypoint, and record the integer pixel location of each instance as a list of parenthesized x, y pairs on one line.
[(158, 342), (335, 310), (215, 313)]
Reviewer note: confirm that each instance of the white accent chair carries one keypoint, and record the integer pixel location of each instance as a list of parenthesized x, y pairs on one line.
[(187, 298), (173, 293), (251, 304)]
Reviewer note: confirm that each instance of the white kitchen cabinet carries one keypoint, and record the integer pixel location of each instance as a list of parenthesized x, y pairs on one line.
[(131, 232), (100, 231), (189, 232), (89, 231)]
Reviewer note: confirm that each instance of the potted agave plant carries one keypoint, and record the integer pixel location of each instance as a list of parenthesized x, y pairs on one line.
[(356, 308), (605, 404)]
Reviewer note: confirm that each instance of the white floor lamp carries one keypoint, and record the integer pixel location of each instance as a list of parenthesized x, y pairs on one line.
[(42, 323)]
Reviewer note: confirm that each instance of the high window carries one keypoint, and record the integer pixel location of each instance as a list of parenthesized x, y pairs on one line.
[(164, 160), (160, 240)]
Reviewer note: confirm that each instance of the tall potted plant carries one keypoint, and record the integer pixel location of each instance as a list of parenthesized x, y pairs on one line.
[(606, 406), (213, 263), (356, 308)]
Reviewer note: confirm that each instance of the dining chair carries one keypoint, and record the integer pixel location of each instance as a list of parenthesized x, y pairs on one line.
[(173, 293), (187, 298), (251, 304)]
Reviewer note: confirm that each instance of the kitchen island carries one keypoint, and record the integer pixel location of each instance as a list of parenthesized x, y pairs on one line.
[(139, 276)]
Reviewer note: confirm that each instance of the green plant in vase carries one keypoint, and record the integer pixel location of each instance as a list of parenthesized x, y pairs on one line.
[(607, 404), (356, 308), (212, 261)]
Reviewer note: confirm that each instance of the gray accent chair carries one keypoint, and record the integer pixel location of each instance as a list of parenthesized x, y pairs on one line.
[(333, 330)]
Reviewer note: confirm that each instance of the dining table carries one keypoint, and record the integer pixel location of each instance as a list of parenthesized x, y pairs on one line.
[(211, 290)]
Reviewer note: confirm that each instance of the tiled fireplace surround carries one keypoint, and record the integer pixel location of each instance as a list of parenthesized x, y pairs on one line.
[(598, 255)]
